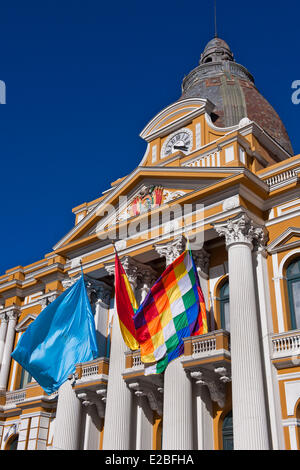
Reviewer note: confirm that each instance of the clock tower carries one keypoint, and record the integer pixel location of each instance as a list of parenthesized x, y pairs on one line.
[(218, 96), (220, 147)]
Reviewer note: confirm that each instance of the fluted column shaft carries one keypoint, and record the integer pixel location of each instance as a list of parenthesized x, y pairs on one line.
[(178, 413), (250, 426), (68, 419), (8, 347), (3, 329)]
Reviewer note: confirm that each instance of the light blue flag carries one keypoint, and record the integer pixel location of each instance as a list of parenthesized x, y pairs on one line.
[(59, 338)]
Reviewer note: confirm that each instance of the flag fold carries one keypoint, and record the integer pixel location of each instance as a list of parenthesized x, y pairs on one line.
[(173, 309), (62, 336), (126, 305)]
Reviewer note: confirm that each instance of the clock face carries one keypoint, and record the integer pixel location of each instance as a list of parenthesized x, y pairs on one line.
[(181, 140)]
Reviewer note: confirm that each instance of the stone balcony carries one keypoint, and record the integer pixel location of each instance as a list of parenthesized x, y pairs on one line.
[(30, 396), (91, 383), (150, 386), (207, 361), (286, 349), (210, 350)]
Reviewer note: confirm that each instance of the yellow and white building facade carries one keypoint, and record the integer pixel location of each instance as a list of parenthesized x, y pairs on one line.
[(219, 169)]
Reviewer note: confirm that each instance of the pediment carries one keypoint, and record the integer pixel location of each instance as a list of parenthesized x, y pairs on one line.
[(144, 199), (289, 239), (25, 322), (174, 116), (142, 191)]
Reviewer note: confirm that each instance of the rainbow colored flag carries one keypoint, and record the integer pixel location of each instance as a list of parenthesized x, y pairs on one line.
[(126, 305), (173, 309)]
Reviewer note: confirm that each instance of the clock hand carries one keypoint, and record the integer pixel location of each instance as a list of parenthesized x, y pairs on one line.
[(180, 147)]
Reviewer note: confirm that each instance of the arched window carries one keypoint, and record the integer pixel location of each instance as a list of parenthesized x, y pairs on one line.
[(224, 306), (227, 432), (293, 283), (12, 443)]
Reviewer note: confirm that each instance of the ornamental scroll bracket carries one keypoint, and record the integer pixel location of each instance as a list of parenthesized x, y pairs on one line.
[(94, 397), (152, 390), (215, 380)]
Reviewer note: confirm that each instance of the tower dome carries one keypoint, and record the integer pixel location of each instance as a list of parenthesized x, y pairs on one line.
[(230, 87)]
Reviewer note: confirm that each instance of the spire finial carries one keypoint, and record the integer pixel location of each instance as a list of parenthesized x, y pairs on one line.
[(215, 15)]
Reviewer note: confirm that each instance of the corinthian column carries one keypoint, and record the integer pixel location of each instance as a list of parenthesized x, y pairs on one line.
[(12, 315), (178, 414), (250, 426)]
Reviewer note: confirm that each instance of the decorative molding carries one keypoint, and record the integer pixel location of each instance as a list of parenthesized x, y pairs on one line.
[(231, 203)]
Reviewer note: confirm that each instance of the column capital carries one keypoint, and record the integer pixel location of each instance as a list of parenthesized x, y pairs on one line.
[(3, 317), (96, 290), (172, 249), (201, 258), (242, 230), (137, 273), (69, 281), (48, 298), (12, 313)]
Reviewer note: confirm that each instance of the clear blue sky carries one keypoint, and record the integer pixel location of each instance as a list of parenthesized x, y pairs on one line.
[(84, 77)]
